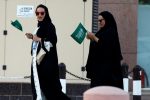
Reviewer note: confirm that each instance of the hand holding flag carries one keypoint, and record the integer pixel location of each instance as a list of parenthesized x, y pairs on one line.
[(79, 34)]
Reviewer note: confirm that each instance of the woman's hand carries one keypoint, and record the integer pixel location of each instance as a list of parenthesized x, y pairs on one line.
[(92, 37), (29, 35), (33, 37), (36, 38)]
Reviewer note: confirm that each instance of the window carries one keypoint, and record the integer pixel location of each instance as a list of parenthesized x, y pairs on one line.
[(143, 50), (144, 2)]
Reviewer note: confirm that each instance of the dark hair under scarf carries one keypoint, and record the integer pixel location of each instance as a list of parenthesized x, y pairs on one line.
[(47, 19), (109, 20)]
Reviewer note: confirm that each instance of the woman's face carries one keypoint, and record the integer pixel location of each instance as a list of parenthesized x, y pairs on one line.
[(40, 14), (101, 21)]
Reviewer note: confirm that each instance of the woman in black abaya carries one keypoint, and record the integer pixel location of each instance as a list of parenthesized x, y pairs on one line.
[(104, 60), (46, 58)]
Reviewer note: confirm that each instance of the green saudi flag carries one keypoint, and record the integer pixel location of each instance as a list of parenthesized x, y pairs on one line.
[(17, 25), (79, 34)]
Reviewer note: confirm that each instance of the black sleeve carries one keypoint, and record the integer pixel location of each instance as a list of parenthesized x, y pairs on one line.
[(51, 35), (107, 37), (48, 34)]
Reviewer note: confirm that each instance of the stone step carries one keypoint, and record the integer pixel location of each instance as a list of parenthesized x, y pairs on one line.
[(22, 91)]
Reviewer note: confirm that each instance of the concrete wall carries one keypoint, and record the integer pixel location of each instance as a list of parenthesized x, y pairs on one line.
[(15, 47), (65, 14)]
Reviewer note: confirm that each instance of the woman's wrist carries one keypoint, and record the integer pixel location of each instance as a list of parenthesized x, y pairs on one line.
[(40, 39), (96, 39)]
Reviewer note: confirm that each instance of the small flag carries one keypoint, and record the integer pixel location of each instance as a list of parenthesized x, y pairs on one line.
[(79, 34), (17, 25)]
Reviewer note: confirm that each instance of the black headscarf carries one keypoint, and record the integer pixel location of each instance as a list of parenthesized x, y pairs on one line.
[(47, 19), (47, 29), (109, 20), (110, 24)]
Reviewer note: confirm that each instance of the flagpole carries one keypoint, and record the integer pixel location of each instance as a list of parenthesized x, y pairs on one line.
[(84, 12), (83, 67)]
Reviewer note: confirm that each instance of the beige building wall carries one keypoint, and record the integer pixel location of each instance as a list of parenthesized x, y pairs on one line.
[(66, 15), (15, 47), (2, 27)]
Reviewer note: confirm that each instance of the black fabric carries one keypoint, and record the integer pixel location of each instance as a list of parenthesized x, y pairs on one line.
[(48, 70), (103, 64)]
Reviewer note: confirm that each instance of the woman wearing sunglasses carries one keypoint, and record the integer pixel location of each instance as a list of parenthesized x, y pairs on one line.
[(45, 80), (104, 60)]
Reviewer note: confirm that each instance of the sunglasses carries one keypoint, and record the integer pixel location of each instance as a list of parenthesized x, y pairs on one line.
[(100, 20), (37, 13)]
